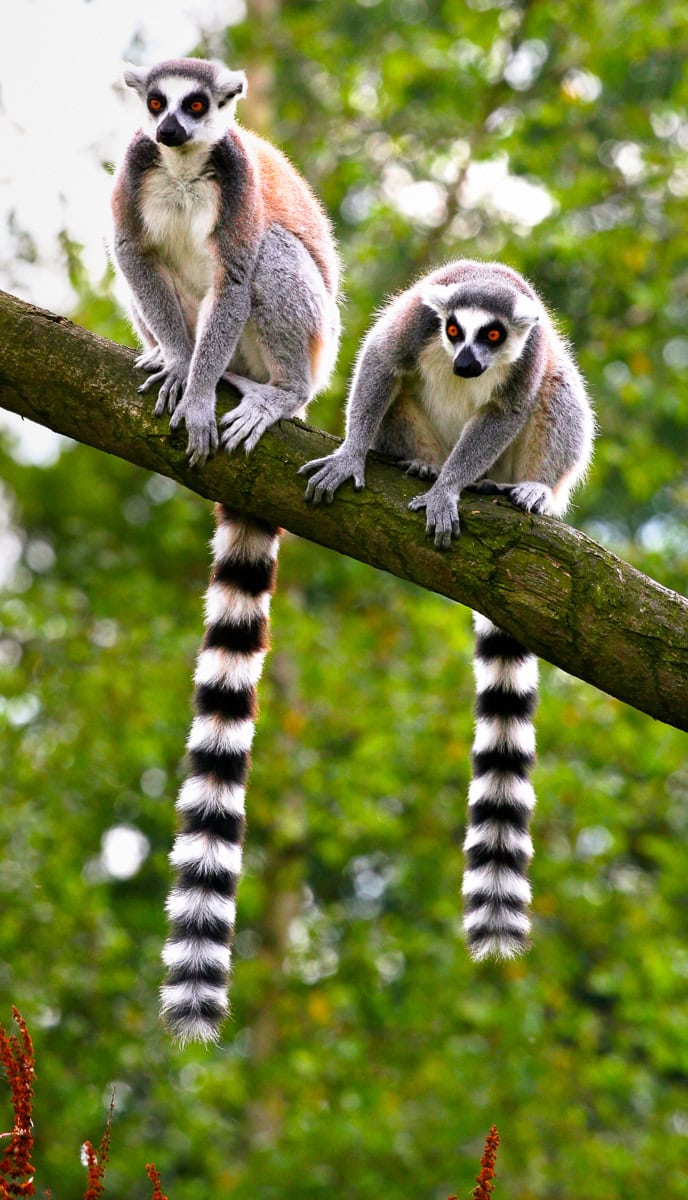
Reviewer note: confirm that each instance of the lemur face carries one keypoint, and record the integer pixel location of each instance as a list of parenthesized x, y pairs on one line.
[(481, 335), (189, 103)]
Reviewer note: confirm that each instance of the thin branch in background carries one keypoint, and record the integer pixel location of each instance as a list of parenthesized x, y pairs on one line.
[(154, 1177), (17, 1058)]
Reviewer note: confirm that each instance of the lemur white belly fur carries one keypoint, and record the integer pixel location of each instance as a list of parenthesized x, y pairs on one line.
[(449, 401), (179, 213), (179, 210)]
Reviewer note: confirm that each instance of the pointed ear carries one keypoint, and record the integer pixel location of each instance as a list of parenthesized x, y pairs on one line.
[(437, 296), (526, 312), (136, 77), (230, 85)]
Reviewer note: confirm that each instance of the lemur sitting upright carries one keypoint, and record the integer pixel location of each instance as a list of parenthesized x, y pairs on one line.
[(497, 404), (230, 262)]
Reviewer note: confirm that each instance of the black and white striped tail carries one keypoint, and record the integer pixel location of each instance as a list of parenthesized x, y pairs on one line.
[(207, 851), (498, 848)]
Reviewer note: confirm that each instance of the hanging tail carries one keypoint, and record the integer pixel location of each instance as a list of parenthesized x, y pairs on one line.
[(207, 851), (498, 848)]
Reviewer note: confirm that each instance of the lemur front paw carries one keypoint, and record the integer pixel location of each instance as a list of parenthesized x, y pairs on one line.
[(419, 467), (442, 515), (331, 472), (261, 406), (172, 379), (201, 426)]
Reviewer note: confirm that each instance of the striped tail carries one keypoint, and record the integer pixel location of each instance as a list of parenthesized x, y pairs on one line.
[(498, 848), (207, 851)]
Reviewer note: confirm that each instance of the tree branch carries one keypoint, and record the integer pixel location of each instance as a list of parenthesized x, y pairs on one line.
[(567, 598)]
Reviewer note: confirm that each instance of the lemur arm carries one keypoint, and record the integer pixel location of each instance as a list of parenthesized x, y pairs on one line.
[(483, 439), (155, 301), (158, 307), (372, 390)]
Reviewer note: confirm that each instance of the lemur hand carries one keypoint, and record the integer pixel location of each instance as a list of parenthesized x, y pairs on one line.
[(172, 378), (198, 414), (442, 514), (331, 472)]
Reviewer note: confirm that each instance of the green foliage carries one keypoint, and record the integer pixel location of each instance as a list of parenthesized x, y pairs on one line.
[(366, 1055)]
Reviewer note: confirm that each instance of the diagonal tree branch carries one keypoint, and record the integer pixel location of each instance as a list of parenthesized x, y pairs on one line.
[(567, 598)]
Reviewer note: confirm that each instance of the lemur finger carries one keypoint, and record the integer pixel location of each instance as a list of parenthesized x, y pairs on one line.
[(312, 465), (253, 439), (152, 380), (232, 438), (417, 503), (201, 444), (325, 483), (174, 395)]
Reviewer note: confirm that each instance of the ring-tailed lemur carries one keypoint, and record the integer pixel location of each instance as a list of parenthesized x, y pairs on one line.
[(230, 262), (499, 395)]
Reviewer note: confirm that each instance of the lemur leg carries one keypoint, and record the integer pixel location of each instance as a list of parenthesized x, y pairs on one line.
[(151, 358), (290, 313), (529, 495)]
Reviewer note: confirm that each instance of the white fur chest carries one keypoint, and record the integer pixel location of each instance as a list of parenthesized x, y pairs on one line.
[(448, 400), (179, 211)]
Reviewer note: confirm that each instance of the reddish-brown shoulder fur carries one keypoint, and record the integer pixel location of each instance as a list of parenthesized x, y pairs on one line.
[(289, 201)]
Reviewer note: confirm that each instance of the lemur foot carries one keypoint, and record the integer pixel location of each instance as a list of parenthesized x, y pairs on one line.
[(442, 515), (150, 360), (419, 467), (531, 497), (261, 406), (172, 380), (331, 472)]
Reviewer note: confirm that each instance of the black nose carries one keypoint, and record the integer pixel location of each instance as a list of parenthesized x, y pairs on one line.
[(466, 364), (171, 133)]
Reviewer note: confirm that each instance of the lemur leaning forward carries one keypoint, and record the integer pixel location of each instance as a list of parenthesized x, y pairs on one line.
[(498, 404), (230, 262)]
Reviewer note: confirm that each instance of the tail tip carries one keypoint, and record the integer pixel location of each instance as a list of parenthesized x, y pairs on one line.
[(497, 944), (193, 1019)]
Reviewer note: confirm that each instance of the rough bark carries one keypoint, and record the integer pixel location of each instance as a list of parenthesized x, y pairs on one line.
[(570, 600)]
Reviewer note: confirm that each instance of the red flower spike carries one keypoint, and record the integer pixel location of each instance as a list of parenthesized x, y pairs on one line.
[(17, 1059), (485, 1187), (96, 1163), (154, 1177)]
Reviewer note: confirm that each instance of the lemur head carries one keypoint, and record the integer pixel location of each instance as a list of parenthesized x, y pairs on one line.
[(481, 327), (188, 100)]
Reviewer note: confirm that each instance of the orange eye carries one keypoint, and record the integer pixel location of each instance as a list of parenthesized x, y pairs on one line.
[(197, 106), (493, 335), (453, 331), (154, 104)]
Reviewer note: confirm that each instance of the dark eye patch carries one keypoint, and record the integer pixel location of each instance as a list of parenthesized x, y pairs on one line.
[(156, 103), (454, 331), (493, 334), (196, 104)]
